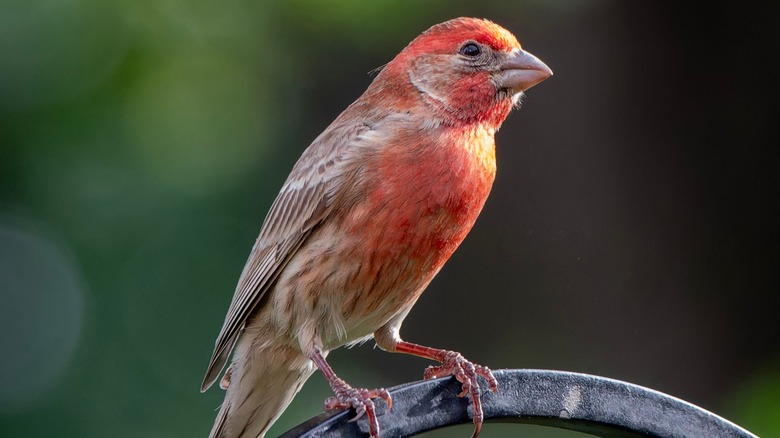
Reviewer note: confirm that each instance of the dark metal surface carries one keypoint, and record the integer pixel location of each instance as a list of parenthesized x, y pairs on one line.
[(590, 404)]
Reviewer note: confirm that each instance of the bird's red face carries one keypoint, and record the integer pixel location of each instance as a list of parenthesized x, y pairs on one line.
[(470, 69)]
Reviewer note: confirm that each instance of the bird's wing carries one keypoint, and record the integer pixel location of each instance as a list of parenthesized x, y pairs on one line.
[(304, 201)]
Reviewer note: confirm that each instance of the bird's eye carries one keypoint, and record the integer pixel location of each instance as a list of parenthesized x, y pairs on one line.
[(470, 49)]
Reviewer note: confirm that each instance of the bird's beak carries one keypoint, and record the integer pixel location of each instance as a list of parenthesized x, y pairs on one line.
[(521, 71)]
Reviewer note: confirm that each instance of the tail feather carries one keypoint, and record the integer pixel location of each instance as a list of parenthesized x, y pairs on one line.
[(218, 430), (262, 382)]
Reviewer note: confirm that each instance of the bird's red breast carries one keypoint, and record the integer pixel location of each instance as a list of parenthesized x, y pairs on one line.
[(420, 203)]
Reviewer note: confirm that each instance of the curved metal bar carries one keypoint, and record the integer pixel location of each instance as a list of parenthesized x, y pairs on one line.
[(591, 404)]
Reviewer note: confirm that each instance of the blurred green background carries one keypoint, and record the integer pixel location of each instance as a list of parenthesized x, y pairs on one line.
[(631, 232)]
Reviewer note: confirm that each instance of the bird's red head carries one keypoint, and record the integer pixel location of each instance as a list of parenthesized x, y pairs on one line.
[(468, 70), (444, 38)]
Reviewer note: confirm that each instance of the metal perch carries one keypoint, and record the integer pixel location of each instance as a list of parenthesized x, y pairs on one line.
[(591, 404)]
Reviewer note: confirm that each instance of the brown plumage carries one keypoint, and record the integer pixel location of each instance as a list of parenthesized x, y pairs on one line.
[(369, 214)]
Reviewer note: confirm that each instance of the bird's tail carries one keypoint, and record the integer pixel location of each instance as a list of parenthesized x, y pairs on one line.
[(260, 383)]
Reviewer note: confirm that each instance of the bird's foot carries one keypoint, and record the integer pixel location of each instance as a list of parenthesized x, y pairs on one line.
[(361, 400), (466, 372)]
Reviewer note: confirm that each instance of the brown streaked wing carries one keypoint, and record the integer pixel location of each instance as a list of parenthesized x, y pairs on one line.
[(304, 201)]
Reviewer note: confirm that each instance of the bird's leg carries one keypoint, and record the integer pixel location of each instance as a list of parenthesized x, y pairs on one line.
[(454, 364), (348, 397)]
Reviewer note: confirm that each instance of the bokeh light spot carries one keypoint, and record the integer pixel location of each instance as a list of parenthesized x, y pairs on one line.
[(41, 310)]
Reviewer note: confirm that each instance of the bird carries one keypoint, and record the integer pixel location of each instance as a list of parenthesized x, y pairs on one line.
[(368, 216)]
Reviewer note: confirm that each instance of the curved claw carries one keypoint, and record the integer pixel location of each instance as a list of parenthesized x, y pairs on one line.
[(477, 430), (466, 372), (361, 400)]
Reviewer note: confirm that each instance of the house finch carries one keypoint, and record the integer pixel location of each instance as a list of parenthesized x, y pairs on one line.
[(368, 216)]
